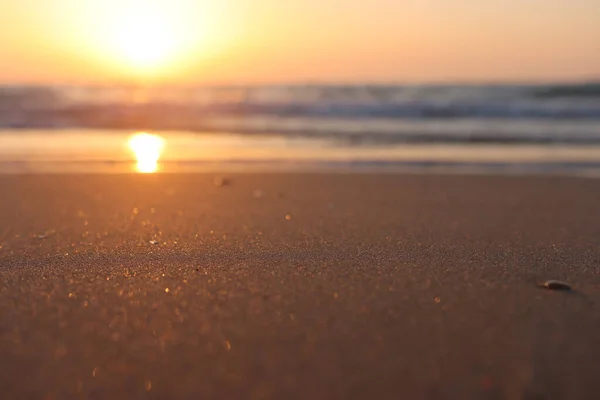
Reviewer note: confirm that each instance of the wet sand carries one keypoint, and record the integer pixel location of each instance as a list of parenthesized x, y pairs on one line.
[(298, 286)]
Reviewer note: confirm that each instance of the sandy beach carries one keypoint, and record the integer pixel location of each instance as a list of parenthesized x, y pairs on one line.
[(298, 286)]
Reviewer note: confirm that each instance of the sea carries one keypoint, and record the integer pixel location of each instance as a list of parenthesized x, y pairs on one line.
[(488, 129)]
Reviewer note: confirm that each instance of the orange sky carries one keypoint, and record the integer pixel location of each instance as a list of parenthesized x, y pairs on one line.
[(273, 41)]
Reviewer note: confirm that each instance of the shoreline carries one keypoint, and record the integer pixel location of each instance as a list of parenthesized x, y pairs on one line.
[(84, 151), (244, 167)]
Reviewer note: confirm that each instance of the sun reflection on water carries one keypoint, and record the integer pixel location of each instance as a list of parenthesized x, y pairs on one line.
[(147, 149)]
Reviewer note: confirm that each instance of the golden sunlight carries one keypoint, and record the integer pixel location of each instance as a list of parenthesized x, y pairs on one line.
[(147, 149), (145, 42)]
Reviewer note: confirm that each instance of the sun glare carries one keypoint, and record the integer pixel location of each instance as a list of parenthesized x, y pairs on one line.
[(145, 43), (147, 149), (153, 41)]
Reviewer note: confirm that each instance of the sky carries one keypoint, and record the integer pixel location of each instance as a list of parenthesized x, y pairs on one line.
[(298, 41)]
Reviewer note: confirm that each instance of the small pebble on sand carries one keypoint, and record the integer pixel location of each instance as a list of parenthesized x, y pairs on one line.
[(220, 181), (556, 285), (154, 242), (46, 234)]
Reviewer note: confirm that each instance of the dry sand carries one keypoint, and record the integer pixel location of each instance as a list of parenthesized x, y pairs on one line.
[(374, 286)]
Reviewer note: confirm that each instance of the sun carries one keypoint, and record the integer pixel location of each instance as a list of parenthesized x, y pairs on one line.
[(145, 42), (154, 41)]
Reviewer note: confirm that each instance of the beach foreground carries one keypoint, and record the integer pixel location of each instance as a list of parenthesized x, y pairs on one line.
[(298, 286)]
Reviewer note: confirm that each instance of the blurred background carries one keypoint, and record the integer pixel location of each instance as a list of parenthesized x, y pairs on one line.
[(189, 85)]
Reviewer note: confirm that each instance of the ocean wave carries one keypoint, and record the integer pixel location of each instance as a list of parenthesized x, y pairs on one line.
[(314, 110), (586, 90)]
